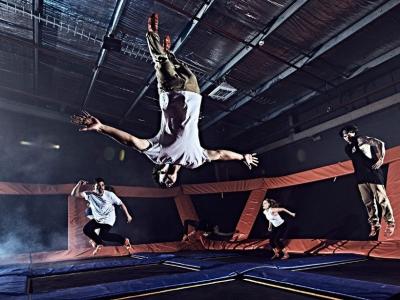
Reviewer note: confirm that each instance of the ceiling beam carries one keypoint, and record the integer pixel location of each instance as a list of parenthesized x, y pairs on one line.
[(119, 7), (176, 46), (282, 18), (37, 7), (302, 60), (342, 120), (11, 103), (375, 62), (277, 112), (32, 110)]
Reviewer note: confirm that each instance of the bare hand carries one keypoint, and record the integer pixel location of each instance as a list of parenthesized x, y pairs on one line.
[(293, 215), (251, 160), (378, 164), (82, 182), (87, 120), (269, 229), (128, 219)]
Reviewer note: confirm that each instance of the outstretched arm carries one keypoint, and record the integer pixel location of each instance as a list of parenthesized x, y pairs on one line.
[(127, 214), (76, 190), (249, 159), (91, 123), (281, 209)]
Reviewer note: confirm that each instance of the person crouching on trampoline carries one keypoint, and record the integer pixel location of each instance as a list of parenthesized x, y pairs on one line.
[(277, 227), (177, 143), (101, 203)]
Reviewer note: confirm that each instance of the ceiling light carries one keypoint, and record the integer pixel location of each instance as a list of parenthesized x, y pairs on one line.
[(26, 143)]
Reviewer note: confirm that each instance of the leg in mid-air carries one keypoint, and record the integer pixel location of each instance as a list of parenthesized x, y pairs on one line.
[(172, 74), (387, 211), (367, 196), (90, 231)]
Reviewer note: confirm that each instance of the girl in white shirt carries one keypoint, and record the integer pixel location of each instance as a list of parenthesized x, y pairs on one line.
[(277, 226)]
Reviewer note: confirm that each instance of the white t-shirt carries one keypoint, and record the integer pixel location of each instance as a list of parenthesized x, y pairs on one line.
[(178, 142), (274, 218), (103, 206)]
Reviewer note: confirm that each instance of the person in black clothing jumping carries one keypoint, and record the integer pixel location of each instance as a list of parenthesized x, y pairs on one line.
[(367, 155)]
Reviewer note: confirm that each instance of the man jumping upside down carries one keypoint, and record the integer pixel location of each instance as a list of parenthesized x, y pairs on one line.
[(177, 143)]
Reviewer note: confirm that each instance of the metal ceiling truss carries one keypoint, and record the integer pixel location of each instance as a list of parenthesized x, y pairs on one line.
[(344, 119), (119, 7), (275, 113), (37, 7), (302, 60), (178, 43), (50, 21), (282, 18), (353, 98)]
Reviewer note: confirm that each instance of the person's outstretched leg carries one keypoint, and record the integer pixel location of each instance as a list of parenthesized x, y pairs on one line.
[(387, 211), (90, 231), (273, 242), (281, 239), (106, 235), (368, 198), (167, 77)]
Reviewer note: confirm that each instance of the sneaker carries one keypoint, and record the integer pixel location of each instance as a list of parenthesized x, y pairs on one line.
[(152, 23), (390, 229), (97, 249)]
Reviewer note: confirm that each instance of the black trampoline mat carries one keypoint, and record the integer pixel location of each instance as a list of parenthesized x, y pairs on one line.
[(376, 270), (63, 281), (78, 262), (231, 290)]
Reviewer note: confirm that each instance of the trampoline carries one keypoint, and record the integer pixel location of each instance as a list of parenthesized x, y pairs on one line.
[(200, 268), (376, 270), (205, 275), (92, 277), (252, 96)]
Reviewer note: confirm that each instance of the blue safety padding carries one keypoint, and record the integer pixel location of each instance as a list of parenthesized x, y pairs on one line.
[(315, 261), (12, 285), (343, 287), (192, 263), (208, 254), (154, 255), (89, 265), (9, 297), (139, 285), (188, 254), (20, 269)]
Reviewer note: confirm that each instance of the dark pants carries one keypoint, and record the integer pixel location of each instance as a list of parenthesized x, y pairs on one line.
[(104, 235), (278, 236)]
